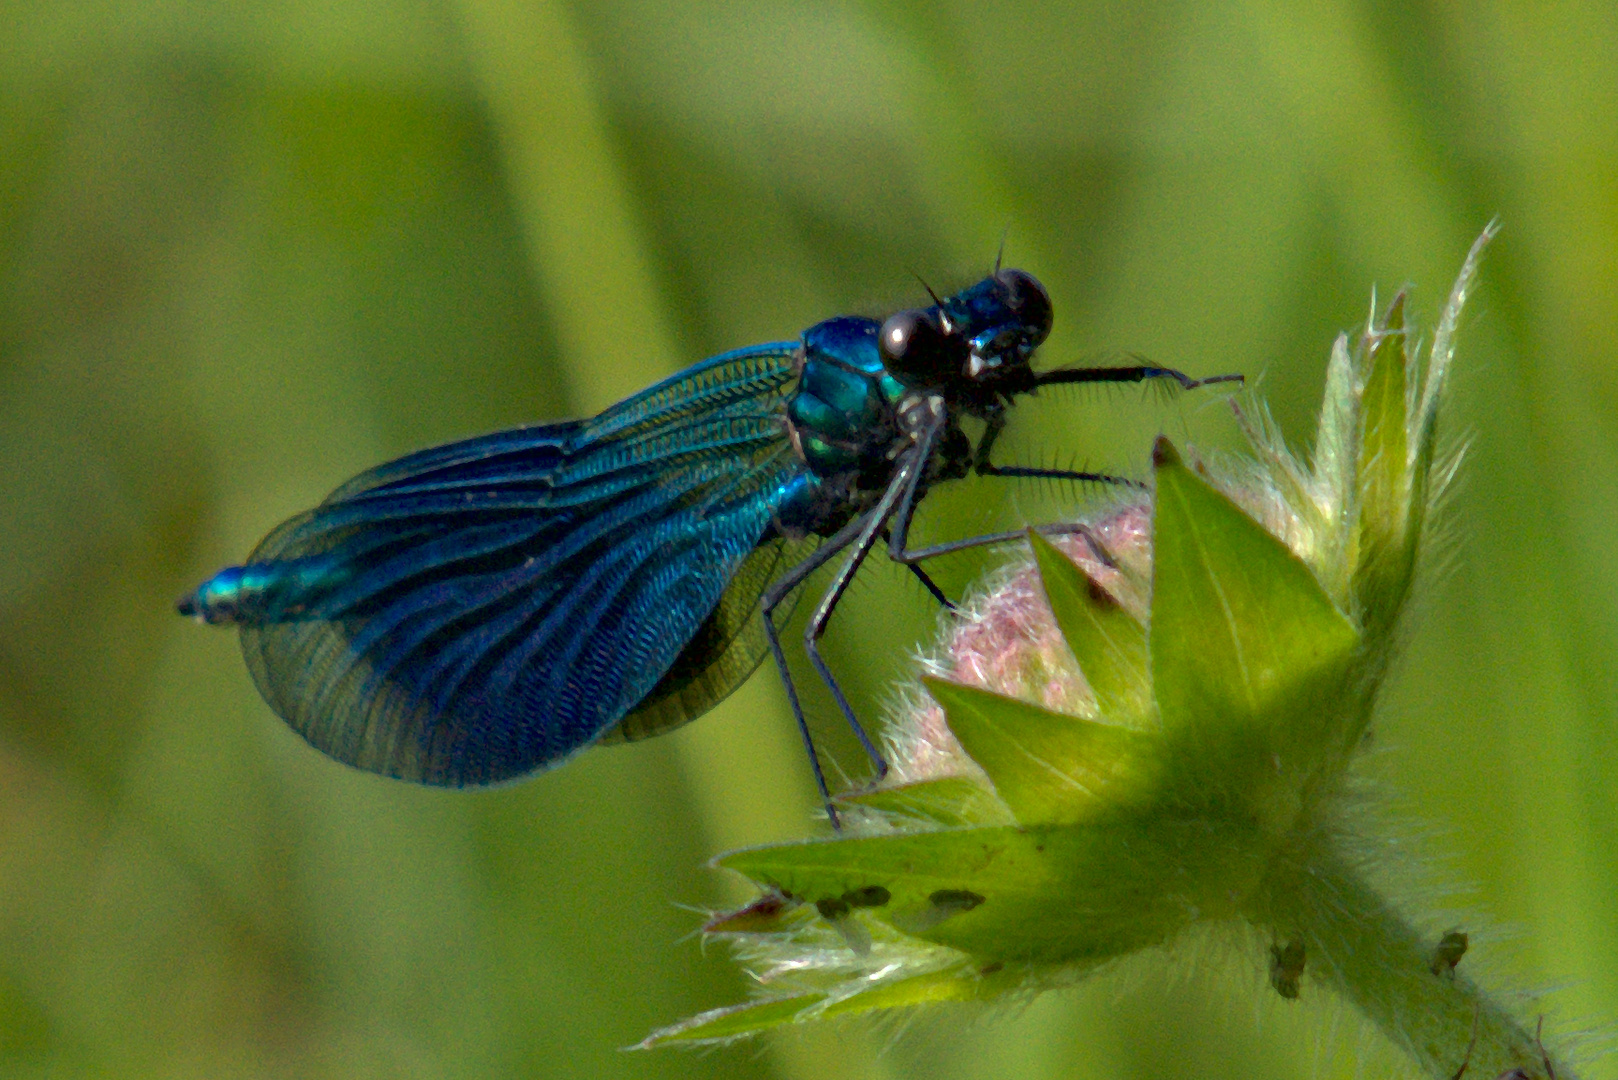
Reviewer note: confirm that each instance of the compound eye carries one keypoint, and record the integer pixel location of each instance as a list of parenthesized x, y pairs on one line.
[(1028, 298), (916, 347)]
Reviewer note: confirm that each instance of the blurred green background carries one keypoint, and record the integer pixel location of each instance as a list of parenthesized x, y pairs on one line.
[(249, 249)]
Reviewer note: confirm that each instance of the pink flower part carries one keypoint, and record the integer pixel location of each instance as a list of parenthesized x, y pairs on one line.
[(1008, 642)]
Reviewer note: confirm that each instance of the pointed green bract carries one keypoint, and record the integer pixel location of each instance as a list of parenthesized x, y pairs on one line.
[(1295, 487), (1046, 894), (948, 801), (1336, 478), (721, 1025), (1424, 423), (1049, 767), (1386, 550), (1248, 653), (1108, 642), (959, 982)]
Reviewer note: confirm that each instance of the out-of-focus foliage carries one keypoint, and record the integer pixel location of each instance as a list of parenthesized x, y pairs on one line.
[(249, 249)]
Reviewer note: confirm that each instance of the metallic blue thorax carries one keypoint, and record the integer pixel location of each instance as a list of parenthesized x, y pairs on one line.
[(840, 421), (842, 410), (842, 416)]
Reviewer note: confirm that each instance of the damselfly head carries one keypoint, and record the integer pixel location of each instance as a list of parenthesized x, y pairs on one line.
[(979, 334)]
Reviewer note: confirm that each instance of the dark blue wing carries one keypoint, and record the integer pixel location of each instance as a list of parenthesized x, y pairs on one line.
[(474, 612), (725, 649)]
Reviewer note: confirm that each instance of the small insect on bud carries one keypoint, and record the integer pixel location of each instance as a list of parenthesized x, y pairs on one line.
[(1451, 947), (762, 916), (1286, 968), (836, 911), (869, 896)]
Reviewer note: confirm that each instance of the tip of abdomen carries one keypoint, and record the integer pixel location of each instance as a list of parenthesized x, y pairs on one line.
[(217, 601)]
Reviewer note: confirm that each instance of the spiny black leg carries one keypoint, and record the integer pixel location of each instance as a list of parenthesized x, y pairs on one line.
[(922, 576), (878, 762), (991, 433), (900, 493), (779, 591), (910, 556), (803, 725), (1138, 373), (987, 469), (861, 533), (983, 467), (898, 540), (873, 526), (931, 586)]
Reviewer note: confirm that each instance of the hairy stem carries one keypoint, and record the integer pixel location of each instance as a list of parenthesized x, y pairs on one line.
[(1358, 945)]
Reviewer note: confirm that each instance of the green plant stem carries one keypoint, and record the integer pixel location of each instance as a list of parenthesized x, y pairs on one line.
[(1359, 946)]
